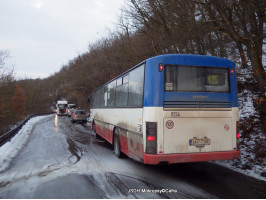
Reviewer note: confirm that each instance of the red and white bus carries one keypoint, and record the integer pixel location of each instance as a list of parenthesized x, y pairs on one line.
[(171, 109)]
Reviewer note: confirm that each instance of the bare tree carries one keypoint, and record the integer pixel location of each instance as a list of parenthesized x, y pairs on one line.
[(244, 23), (6, 92), (6, 74), (234, 29)]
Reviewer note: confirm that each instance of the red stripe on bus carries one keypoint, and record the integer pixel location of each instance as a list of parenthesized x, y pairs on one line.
[(104, 133), (123, 144), (154, 159)]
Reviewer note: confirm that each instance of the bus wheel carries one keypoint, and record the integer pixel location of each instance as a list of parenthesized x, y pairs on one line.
[(117, 144)]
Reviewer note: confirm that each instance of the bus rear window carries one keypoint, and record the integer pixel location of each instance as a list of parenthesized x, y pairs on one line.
[(181, 78)]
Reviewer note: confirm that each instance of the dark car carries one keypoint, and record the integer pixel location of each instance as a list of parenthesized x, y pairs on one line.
[(79, 116)]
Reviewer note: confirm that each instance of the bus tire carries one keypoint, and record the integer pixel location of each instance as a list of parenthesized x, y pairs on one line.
[(117, 149)]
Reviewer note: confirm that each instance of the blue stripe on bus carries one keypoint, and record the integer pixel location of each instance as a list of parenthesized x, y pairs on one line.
[(154, 94)]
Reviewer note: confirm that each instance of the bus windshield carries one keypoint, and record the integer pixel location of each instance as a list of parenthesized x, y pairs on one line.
[(183, 78), (62, 106)]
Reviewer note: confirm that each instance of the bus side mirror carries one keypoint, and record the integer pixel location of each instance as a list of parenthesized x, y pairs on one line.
[(89, 99)]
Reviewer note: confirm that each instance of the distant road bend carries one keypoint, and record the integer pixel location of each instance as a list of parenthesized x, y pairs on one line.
[(65, 160)]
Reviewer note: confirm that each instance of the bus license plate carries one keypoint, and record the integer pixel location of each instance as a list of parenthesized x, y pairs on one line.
[(199, 142)]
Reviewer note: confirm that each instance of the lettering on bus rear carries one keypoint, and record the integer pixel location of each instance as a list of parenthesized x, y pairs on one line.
[(175, 114), (200, 97)]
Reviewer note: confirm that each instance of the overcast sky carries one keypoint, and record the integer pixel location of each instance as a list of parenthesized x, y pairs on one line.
[(43, 35)]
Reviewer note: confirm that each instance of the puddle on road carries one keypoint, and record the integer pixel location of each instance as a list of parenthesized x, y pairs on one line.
[(80, 133), (74, 149)]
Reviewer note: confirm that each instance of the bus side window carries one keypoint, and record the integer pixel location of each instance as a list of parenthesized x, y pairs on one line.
[(121, 94), (111, 94), (136, 83)]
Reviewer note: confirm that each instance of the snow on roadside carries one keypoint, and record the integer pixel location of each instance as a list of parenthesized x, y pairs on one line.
[(246, 107), (247, 164), (10, 149), (254, 172)]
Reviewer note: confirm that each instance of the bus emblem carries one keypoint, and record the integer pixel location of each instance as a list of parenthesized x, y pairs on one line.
[(226, 127), (169, 124)]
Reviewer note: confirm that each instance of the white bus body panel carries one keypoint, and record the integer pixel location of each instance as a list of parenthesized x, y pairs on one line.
[(127, 118), (61, 102), (128, 122), (217, 125)]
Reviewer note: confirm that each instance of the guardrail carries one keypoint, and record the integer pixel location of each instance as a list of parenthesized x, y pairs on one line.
[(7, 136)]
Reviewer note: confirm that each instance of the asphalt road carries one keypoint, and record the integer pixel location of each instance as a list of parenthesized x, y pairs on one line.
[(65, 160)]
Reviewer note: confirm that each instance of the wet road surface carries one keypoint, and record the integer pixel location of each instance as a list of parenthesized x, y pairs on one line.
[(65, 160)]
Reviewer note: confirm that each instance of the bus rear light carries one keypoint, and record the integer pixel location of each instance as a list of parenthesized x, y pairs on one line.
[(232, 71), (160, 67), (151, 137), (237, 134)]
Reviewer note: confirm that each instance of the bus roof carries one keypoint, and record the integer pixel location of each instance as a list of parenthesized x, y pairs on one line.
[(191, 59), (181, 59), (61, 102)]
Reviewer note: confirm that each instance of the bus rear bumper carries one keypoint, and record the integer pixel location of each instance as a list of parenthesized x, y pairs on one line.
[(154, 159)]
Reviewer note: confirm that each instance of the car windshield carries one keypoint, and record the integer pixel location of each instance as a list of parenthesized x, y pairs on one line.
[(80, 112)]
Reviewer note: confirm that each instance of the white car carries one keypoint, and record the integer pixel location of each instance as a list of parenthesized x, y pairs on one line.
[(70, 109)]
